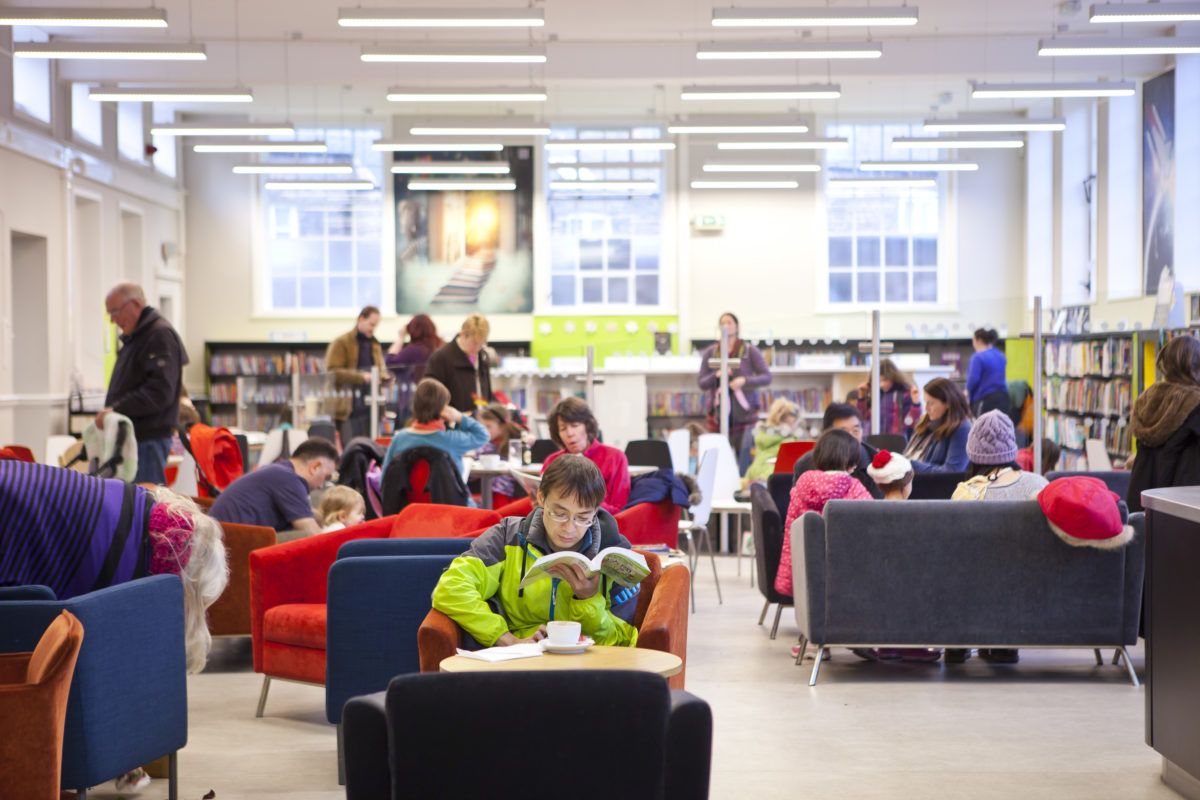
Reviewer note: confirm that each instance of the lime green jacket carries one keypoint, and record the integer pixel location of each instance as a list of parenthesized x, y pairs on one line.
[(766, 446), (479, 588)]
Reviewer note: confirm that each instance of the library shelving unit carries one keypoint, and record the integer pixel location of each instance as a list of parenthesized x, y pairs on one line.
[(1088, 391)]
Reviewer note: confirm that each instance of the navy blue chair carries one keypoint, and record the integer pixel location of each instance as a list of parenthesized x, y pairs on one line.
[(365, 548), (935, 485), (1117, 480), (767, 524), (128, 701), (375, 606), (780, 484)]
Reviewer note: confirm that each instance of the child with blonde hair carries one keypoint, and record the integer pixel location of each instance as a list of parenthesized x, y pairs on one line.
[(777, 428), (340, 507)]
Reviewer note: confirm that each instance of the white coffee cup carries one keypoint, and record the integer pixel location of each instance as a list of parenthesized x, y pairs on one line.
[(489, 460), (563, 632)]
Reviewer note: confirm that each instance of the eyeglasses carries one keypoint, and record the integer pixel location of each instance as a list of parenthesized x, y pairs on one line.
[(562, 518), (112, 312)]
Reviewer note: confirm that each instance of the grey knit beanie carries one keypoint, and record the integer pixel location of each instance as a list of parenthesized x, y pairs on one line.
[(992, 439)]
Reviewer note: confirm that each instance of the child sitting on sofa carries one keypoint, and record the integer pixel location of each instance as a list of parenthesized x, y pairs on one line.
[(893, 474)]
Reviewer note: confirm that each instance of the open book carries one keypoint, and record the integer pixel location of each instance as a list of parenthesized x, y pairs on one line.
[(619, 563)]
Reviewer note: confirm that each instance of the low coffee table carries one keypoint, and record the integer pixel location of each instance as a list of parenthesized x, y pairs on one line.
[(597, 656)]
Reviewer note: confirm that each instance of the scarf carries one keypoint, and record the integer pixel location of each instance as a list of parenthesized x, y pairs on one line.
[(70, 531), (436, 425), (1161, 410)]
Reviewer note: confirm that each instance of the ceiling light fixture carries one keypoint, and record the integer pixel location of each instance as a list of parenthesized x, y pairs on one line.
[(84, 17), (441, 17), (740, 167), (531, 95), (298, 168), (320, 186), (108, 51), (451, 168), (260, 147), (967, 142), (745, 184), (603, 186), (1106, 46), (735, 126), (454, 54), (810, 91), (610, 144), (224, 129), (787, 50), (918, 166), (994, 125), (901, 183), (436, 147), (527, 129), (794, 144), (1020, 90), (446, 184), (812, 17), (1145, 12), (167, 95)]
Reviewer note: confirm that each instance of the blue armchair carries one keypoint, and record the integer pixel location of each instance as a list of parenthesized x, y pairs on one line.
[(128, 701)]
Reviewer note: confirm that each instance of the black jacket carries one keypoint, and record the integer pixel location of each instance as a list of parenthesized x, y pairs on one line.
[(805, 463), (444, 484), (450, 365), (148, 376), (1175, 462), (357, 459)]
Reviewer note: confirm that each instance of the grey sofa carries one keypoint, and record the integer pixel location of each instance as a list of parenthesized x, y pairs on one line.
[(939, 573)]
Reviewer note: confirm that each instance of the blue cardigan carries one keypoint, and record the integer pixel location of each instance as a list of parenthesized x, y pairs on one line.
[(947, 455), (468, 435)]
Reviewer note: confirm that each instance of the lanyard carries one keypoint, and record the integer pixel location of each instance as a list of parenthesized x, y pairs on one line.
[(553, 596)]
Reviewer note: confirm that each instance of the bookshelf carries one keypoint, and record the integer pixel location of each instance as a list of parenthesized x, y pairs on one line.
[(1088, 392)]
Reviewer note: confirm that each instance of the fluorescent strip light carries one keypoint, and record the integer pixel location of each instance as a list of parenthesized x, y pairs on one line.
[(155, 95), (454, 54), (441, 17), (224, 129), (321, 186), (435, 184), (795, 144), (604, 186), (899, 183), (1102, 46), (1019, 90), (959, 142), (451, 168), (810, 91), (730, 167), (1145, 12), (530, 95), (609, 144), (736, 127), (745, 184), (97, 51), (811, 17), (489, 130), (261, 147), (994, 125), (84, 17), (293, 169), (788, 50), (436, 147), (918, 166)]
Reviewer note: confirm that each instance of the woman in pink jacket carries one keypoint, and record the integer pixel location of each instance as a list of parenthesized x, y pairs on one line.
[(573, 427)]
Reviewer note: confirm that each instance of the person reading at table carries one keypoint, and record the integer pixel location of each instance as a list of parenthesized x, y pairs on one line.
[(480, 590)]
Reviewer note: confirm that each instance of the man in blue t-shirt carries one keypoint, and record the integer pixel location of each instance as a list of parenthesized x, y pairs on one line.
[(276, 495)]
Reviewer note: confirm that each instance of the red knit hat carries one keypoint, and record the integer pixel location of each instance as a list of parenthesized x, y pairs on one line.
[(1084, 513)]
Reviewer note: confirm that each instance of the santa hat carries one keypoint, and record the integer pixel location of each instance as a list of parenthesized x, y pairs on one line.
[(1084, 513), (888, 467)]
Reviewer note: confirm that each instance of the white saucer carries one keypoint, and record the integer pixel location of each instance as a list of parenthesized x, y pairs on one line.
[(568, 649)]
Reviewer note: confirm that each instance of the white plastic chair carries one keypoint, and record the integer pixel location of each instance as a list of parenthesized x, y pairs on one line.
[(1097, 456), (55, 446), (273, 450), (185, 477), (727, 480), (679, 442), (698, 524)]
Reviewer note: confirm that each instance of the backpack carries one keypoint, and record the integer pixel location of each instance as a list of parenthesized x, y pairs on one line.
[(443, 482)]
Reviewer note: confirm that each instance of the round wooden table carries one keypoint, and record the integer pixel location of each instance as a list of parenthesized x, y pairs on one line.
[(598, 656)]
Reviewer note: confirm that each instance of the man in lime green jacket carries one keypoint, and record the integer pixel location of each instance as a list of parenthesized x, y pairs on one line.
[(479, 590)]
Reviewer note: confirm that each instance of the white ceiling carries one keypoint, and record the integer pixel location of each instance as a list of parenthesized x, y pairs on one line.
[(622, 59)]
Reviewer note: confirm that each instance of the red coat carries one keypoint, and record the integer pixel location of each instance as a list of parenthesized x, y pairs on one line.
[(615, 469)]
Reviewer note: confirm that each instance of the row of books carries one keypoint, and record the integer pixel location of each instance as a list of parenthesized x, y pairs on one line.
[(546, 402), (811, 401), (1089, 396), (266, 364), (675, 404), (1071, 432), (1112, 356), (780, 357)]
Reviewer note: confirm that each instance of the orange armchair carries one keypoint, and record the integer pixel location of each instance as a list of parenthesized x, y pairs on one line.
[(661, 619), (230, 615), (33, 710)]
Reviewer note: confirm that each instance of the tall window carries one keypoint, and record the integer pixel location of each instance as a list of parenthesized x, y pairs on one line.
[(883, 240), (605, 208), (324, 248), (31, 78), (86, 118), (165, 153), (131, 131)]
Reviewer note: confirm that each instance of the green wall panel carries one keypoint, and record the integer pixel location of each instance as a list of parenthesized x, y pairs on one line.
[(569, 336)]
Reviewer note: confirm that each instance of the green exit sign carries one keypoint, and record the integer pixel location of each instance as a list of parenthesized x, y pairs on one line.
[(709, 222)]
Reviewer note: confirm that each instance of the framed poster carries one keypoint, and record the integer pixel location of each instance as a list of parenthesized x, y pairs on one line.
[(1158, 181)]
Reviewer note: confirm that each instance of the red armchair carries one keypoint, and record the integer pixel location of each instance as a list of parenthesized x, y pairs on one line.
[(288, 584), (650, 523), (661, 619)]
